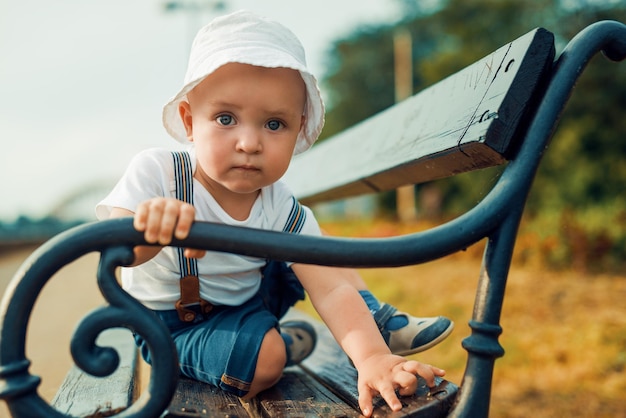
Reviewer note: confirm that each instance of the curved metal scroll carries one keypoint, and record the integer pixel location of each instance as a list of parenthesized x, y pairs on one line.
[(18, 387)]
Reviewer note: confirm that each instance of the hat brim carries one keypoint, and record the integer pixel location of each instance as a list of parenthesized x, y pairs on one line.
[(314, 108)]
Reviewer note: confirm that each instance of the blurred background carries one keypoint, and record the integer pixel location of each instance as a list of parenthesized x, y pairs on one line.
[(82, 85)]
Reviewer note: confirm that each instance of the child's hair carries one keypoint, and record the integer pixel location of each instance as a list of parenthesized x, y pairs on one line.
[(246, 38)]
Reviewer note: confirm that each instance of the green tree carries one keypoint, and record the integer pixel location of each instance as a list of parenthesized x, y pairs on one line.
[(360, 79), (585, 165)]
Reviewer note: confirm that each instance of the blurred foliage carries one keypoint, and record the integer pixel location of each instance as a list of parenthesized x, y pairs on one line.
[(583, 173)]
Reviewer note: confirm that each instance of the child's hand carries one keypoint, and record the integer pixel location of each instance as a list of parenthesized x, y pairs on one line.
[(384, 374), (163, 218)]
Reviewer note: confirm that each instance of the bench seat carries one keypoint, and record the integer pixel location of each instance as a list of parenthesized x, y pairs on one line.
[(323, 385)]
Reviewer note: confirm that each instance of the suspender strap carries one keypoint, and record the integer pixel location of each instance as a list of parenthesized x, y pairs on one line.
[(296, 218), (189, 282), (184, 191)]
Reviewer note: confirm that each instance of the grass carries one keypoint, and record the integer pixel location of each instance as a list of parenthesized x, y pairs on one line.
[(564, 331)]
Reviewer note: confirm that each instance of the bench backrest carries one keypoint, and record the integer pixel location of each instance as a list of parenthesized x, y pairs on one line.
[(467, 121)]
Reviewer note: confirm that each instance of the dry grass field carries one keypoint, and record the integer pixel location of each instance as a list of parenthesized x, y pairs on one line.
[(564, 332)]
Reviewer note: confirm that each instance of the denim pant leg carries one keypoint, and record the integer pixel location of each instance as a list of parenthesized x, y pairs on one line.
[(223, 348)]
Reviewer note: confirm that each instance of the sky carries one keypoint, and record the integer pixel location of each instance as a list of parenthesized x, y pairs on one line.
[(82, 84)]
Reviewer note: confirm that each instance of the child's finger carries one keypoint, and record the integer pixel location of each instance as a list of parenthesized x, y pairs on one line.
[(186, 216), (365, 401), (140, 217), (388, 393), (426, 371), (168, 219), (194, 253), (406, 382), (153, 219)]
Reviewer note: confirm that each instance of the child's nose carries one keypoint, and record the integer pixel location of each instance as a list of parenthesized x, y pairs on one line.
[(249, 141)]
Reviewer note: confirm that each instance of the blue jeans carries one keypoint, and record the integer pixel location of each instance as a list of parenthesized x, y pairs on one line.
[(222, 349)]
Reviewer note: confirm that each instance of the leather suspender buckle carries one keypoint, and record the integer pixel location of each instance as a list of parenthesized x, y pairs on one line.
[(190, 300)]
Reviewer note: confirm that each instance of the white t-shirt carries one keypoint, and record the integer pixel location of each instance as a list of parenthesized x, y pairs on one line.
[(225, 279)]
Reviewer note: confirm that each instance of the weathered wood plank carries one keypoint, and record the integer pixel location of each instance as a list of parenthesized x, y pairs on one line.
[(195, 399), (299, 395), (84, 395), (467, 121)]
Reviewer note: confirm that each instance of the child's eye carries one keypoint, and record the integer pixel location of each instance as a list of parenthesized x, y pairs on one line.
[(225, 120), (274, 125)]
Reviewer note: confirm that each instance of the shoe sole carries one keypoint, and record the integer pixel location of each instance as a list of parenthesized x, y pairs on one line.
[(431, 344), (309, 330)]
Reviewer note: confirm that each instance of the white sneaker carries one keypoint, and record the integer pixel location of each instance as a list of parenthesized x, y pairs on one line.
[(418, 335)]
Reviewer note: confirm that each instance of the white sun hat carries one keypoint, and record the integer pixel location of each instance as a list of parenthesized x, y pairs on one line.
[(246, 38)]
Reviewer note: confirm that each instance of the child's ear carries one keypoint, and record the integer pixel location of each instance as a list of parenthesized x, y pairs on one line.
[(185, 115)]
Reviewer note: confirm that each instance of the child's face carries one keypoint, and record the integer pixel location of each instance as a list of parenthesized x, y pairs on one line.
[(244, 121)]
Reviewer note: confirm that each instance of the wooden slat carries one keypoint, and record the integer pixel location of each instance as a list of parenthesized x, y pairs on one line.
[(299, 395), (195, 399), (85, 395), (296, 395), (465, 122)]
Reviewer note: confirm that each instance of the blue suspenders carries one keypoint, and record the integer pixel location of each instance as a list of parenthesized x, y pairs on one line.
[(296, 218), (184, 191), (189, 282)]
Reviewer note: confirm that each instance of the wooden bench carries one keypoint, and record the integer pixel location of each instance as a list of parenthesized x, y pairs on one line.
[(502, 109)]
